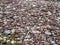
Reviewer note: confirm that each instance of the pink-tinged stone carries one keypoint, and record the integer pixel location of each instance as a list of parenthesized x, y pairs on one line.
[(59, 42), (46, 43)]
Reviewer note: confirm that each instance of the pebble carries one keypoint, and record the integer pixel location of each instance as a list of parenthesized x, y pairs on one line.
[(34, 5), (18, 38), (46, 43), (27, 19), (13, 42), (15, 17), (35, 32), (1, 16), (8, 6), (12, 31), (4, 37), (52, 42), (7, 32), (8, 41), (1, 38), (19, 42), (47, 32), (55, 44), (28, 36), (26, 40), (0, 27), (49, 13)]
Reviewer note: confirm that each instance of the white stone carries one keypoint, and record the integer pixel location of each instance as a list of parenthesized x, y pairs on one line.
[(52, 42), (13, 30), (28, 36), (47, 32), (29, 0), (49, 13), (7, 12), (0, 27), (35, 32), (48, 26), (5, 22), (8, 40), (28, 27), (12, 42), (37, 27), (15, 17), (34, 5), (18, 38), (14, 8), (26, 39)]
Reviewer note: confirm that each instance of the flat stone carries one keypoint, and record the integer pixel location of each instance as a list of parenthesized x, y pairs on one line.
[(28, 36), (47, 32), (55, 44), (7, 32), (52, 42)]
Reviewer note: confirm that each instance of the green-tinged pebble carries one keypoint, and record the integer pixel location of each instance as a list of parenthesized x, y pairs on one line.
[(1, 16)]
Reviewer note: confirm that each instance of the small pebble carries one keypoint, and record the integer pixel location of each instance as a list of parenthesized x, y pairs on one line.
[(1, 16), (13, 42), (52, 42), (47, 32), (7, 32)]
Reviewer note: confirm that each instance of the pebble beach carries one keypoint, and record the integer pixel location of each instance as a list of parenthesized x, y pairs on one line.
[(29, 22)]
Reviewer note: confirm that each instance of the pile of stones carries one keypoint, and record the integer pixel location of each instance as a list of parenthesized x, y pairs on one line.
[(31, 22)]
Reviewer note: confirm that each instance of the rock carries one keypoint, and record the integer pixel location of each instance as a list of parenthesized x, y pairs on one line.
[(8, 6), (4, 42), (26, 40), (13, 31), (49, 13), (34, 5), (55, 44), (47, 32), (8, 40), (46, 43), (15, 17), (0, 27), (58, 18), (4, 37), (36, 32), (1, 16), (52, 42), (13, 42), (0, 38), (19, 41), (28, 36), (48, 26), (7, 32), (18, 38)]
